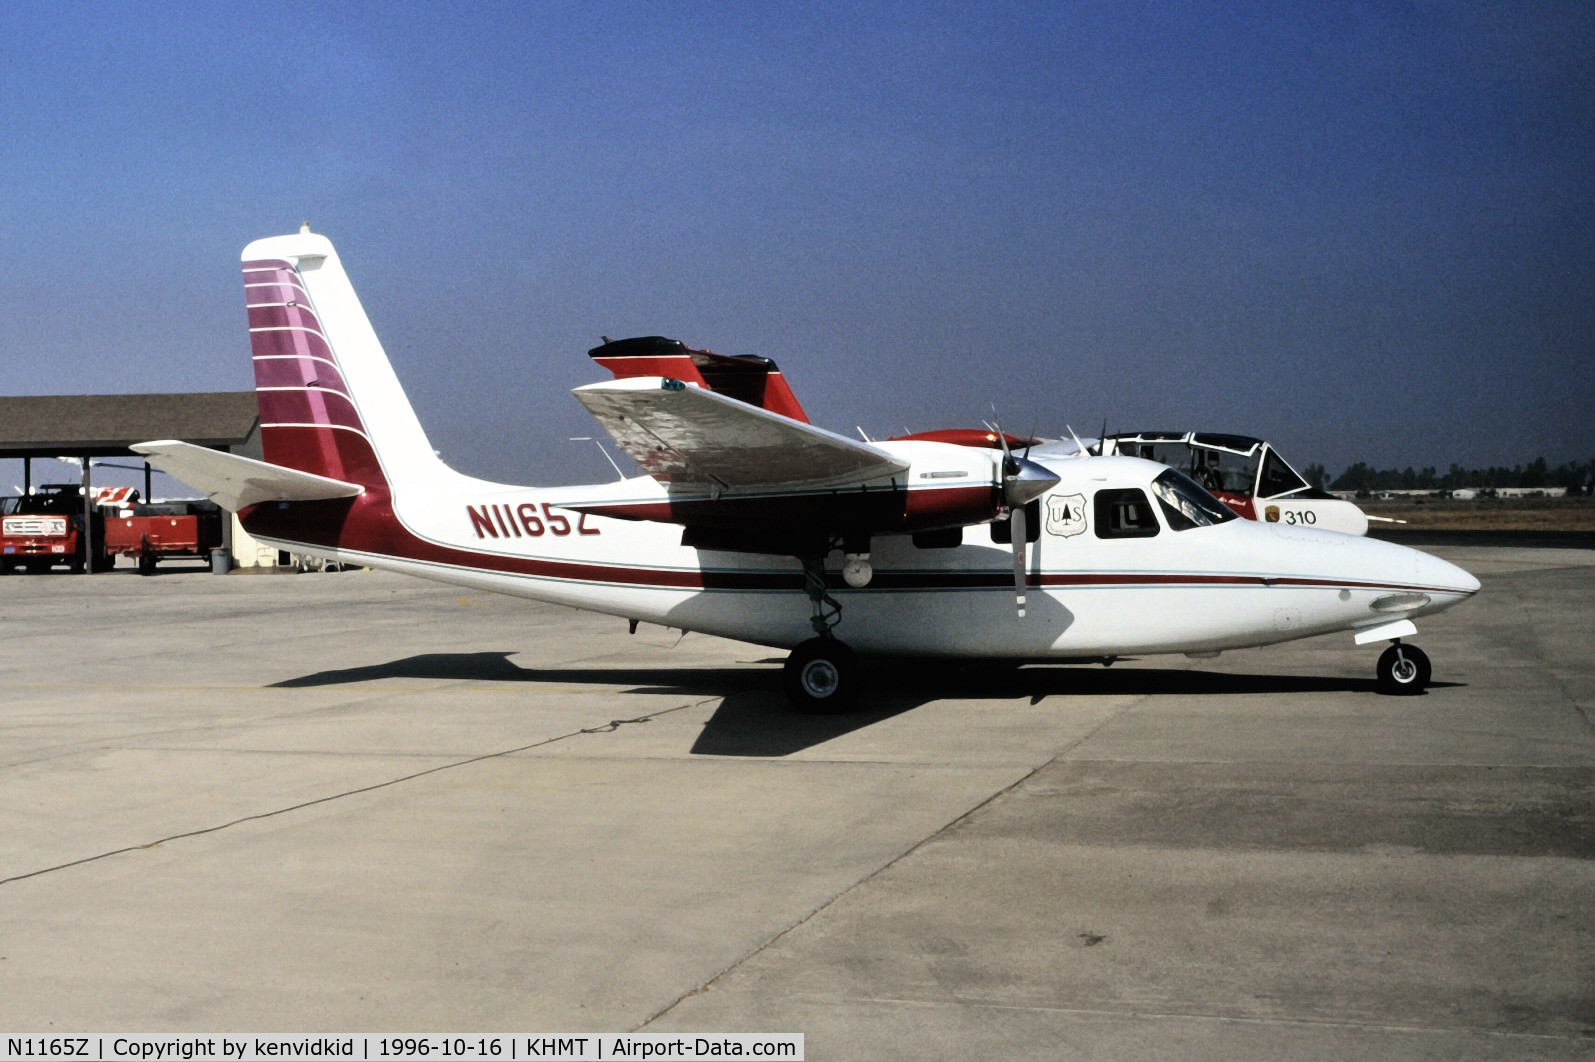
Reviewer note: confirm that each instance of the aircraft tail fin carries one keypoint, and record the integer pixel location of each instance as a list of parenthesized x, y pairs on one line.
[(330, 404)]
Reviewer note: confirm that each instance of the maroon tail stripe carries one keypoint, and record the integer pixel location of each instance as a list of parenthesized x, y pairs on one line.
[(260, 293), (337, 454), (279, 316), (308, 407), (298, 372), (295, 342)]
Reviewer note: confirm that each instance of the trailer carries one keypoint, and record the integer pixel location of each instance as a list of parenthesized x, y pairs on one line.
[(148, 533)]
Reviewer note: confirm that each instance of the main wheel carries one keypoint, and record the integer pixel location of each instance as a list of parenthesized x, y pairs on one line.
[(1403, 669), (821, 677), (146, 563)]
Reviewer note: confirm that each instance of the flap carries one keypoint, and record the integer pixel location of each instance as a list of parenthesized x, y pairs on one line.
[(690, 434), (235, 482)]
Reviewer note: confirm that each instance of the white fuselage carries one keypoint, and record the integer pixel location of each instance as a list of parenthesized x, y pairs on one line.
[(1230, 585)]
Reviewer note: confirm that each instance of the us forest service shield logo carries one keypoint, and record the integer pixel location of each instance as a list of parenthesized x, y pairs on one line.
[(1066, 515)]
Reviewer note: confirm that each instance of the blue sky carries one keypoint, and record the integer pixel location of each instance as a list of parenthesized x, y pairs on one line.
[(1364, 231)]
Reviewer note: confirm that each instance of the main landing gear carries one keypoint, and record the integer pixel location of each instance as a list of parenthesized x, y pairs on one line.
[(1403, 669), (821, 677)]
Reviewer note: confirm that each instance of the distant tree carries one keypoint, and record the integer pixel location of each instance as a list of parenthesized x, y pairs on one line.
[(1316, 476), (1364, 479), (1359, 477)]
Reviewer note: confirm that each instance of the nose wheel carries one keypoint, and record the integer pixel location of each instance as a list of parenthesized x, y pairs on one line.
[(821, 677), (1403, 669)]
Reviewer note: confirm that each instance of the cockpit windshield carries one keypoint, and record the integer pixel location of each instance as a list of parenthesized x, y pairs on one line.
[(1185, 504)]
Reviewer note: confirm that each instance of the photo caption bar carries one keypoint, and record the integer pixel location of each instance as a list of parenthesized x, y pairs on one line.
[(376, 1047)]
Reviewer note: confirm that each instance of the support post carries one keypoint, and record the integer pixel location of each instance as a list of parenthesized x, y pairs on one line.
[(27, 476), (88, 521), (147, 498)]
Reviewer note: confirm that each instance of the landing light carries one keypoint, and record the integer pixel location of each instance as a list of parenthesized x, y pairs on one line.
[(857, 571)]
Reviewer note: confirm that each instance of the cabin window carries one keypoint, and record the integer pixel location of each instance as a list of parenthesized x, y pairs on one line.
[(1278, 478), (1124, 514), (1185, 504)]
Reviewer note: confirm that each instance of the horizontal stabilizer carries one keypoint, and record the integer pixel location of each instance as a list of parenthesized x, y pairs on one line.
[(235, 482), (690, 434)]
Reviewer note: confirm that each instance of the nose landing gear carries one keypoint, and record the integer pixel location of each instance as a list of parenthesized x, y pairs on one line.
[(1403, 669)]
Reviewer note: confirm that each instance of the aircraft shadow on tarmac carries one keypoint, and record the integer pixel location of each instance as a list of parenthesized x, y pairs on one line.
[(753, 719)]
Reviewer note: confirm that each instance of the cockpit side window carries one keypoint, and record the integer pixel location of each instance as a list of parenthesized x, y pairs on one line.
[(1186, 505), (1124, 513), (1278, 477)]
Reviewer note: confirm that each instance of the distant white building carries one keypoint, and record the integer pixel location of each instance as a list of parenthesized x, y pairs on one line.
[(1531, 492)]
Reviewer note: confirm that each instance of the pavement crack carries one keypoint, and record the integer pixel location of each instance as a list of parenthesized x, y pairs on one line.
[(952, 824), (608, 728)]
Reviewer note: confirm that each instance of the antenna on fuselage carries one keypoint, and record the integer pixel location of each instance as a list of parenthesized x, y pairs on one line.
[(1080, 450), (598, 443), (1102, 440)]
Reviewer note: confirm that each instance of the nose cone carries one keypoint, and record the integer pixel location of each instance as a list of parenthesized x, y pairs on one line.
[(1423, 576), (1024, 480), (1446, 577)]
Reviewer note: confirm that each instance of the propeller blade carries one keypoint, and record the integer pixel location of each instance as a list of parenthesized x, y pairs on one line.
[(1016, 527), (1010, 467)]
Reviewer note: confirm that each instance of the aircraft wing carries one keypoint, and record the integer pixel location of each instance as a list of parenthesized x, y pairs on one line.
[(235, 482), (684, 433)]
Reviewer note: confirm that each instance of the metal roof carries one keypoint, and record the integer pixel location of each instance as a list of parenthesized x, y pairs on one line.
[(106, 425)]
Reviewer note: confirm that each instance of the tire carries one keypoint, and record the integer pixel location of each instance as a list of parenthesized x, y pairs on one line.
[(1403, 670), (146, 564), (821, 677)]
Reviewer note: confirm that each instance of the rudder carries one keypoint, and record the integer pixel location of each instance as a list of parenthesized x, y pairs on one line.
[(330, 403)]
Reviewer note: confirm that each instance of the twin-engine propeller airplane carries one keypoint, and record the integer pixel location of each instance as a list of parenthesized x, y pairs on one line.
[(751, 523)]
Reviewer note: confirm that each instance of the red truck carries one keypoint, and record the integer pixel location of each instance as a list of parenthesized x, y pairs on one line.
[(45, 528)]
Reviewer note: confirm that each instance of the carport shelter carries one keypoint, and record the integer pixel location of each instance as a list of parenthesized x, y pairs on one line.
[(106, 426)]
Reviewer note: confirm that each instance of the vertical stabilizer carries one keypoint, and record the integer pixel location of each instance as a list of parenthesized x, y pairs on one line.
[(330, 403)]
